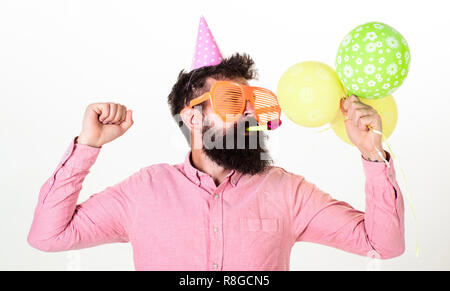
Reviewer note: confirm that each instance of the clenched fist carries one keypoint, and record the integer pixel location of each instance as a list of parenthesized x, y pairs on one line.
[(104, 122), (359, 117)]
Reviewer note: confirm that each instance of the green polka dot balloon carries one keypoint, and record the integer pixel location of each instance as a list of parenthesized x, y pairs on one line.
[(373, 60)]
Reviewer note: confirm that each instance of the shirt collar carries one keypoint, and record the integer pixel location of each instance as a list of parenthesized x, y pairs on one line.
[(194, 174)]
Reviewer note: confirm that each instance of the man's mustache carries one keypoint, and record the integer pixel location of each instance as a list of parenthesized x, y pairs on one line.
[(234, 136)]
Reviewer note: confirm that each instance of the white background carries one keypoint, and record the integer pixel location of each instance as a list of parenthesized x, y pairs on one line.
[(56, 57)]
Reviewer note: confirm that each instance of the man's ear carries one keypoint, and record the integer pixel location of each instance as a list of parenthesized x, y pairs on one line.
[(192, 118)]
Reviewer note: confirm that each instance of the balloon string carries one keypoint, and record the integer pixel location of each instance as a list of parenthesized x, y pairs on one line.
[(411, 206), (324, 129)]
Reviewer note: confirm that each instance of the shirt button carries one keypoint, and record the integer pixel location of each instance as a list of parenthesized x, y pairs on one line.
[(215, 266), (216, 229), (216, 196)]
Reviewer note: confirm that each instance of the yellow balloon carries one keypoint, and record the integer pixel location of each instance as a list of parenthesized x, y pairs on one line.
[(309, 93), (386, 108)]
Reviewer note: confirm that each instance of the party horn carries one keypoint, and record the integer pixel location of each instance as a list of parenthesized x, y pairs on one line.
[(271, 125)]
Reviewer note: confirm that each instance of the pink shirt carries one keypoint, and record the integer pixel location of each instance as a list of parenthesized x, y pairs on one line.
[(176, 218)]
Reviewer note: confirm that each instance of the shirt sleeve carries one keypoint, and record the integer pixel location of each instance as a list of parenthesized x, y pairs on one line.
[(59, 223), (319, 218)]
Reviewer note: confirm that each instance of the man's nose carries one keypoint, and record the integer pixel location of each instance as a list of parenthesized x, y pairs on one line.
[(249, 109)]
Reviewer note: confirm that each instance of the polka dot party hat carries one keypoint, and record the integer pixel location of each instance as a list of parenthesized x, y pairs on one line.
[(207, 52)]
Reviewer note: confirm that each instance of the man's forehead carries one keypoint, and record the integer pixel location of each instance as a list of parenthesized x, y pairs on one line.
[(210, 81)]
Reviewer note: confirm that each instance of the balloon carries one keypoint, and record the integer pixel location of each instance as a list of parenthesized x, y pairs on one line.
[(386, 108), (309, 93), (373, 60)]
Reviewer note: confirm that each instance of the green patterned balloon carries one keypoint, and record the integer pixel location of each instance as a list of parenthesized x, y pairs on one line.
[(373, 60)]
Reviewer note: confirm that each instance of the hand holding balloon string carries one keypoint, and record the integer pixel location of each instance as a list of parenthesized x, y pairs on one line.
[(363, 126)]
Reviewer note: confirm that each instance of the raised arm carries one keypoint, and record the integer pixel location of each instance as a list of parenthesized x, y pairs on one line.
[(59, 223), (319, 218)]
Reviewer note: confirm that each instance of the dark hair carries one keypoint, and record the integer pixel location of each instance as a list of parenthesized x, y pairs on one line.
[(192, 84)]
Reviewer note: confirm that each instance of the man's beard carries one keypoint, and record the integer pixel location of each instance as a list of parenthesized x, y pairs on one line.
[(245, 153)]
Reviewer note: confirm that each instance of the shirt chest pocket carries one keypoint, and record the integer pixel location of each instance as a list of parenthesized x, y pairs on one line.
[(260, 241)]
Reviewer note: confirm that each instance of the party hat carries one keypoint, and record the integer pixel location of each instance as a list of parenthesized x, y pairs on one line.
[(207, 52)]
